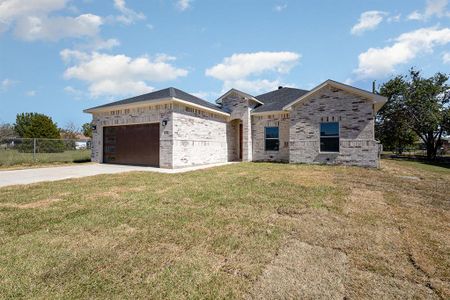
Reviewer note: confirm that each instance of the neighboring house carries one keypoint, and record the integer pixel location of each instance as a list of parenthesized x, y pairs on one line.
[(333, 123), (82, 142), (445, 148)]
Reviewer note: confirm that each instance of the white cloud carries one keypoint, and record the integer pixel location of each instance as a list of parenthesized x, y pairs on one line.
[(446, 58), (75, 93), (280, 7), (114, 87), (368, 20), (31, 20), (206, 95), (70, 55), (379, 62), (55, 28), (349, 81), (119, 74), (71, 90), (31, 93), (237, 70), (395, 18), (242, 65), (183, 4), (128, 16), (10, 10), (436, 8), (415, 16), (6, 84), (98, 43), (253, 86)]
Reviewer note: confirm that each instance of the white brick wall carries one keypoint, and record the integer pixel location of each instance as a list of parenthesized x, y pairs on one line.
[(198, 139), (240, 109)]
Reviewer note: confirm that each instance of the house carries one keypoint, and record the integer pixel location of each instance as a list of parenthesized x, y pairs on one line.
[(333, 123)]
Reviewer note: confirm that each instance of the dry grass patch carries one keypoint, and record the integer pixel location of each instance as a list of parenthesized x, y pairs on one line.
[(302, 271), (37, 204), (232, 232)]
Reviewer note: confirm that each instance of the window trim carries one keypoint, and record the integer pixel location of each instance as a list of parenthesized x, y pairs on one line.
[(334, 136), (266, 138)]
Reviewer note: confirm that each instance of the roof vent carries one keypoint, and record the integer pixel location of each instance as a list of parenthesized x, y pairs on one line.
[(280, 87)]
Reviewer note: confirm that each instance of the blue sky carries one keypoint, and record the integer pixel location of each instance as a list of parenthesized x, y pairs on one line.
[(59, 57)]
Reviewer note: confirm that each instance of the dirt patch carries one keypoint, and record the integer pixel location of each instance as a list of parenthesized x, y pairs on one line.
[(38, 204), (303, 271)]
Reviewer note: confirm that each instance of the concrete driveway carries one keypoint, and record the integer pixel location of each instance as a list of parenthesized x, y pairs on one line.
[(28, 176)]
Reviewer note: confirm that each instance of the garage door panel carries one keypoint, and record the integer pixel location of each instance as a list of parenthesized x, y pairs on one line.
[(131, 144)]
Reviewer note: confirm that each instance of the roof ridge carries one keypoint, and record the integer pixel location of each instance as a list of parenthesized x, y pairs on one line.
[(283, 88), (172, 91)]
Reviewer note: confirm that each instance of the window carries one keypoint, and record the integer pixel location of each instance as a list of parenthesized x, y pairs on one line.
[(272, 139), (329, 137)]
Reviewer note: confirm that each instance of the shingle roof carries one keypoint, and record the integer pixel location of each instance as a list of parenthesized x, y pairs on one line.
[(161, 94), (277, 99)]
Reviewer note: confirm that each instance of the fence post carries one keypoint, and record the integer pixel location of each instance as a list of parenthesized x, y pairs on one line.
[(34, 150)]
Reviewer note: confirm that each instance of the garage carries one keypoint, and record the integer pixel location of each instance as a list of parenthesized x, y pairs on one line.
[(131, 144)]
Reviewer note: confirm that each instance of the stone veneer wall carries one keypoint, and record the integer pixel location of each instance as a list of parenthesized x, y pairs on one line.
[(259, 122), (146, 114), (199, 137), (356, 119), (233, 140), (240, 108)]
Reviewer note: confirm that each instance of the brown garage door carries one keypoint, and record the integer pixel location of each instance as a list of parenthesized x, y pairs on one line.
[(131, 145)]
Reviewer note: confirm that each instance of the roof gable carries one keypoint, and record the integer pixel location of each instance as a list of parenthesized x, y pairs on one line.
[(245, 95), (378, 100)]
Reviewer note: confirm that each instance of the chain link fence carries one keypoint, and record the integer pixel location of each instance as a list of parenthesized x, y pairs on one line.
[(443, 151), (28, 151)]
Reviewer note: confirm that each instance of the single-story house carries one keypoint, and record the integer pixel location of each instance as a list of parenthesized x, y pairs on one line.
[(332, 123)]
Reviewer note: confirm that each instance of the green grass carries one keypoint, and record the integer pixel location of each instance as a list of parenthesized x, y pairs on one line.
[(10, 158), (212, 233)]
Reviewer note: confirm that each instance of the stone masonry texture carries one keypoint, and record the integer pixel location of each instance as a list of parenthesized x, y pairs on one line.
[(356, 119)]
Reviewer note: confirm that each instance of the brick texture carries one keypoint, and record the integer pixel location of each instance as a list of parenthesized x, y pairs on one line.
[(356, 118)]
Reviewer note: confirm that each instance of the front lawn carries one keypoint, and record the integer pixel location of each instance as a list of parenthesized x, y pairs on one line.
[(249, 230)]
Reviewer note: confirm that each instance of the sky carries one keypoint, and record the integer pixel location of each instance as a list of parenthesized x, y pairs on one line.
[(59, 57)]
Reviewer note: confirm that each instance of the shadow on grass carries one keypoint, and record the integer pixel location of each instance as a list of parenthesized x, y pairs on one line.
[(81, 161)]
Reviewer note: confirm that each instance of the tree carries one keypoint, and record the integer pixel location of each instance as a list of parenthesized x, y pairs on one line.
[(87, 129), (70, 131), (420, 105), (7, 131), (392, 127), (34, 125)]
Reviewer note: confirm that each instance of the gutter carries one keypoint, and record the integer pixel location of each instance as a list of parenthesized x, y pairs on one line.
[(153, 102)]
